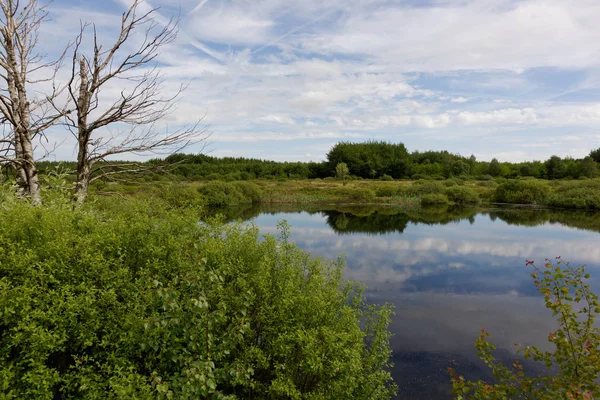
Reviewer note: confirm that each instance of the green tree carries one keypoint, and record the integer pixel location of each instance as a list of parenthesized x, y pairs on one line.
[(494, 167), (589, 167), (595, 155), (341, 172), (555, 168)]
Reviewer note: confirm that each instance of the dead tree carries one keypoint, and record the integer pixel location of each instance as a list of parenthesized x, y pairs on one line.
[(129, 122), (26, 118)]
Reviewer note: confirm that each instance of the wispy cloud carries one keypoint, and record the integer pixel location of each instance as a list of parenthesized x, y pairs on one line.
[(458, 75)]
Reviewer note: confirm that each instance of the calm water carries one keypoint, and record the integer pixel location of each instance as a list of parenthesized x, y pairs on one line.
[(448, 272)]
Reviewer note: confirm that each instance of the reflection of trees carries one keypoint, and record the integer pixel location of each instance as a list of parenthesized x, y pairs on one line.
[(241, 212), (441, 215), (587, 220), (378, 220), (387, 220)]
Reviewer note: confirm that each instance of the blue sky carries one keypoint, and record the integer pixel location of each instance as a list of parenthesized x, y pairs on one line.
[(286, 80)]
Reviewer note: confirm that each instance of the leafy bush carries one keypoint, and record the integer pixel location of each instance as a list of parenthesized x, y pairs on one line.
[(577, 194), (522, 192), (386, 177), (453, 182), (487, 184), (219, 193), (362, 195), (252, 192), (181, 195), (420, 188), (419, 176), (387, 191), (462, 195), (485, 177), (148, 304), (246, 176), (433, 199), (573, 366)]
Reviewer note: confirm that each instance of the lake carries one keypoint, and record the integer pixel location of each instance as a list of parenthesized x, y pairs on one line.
[(449, 272)]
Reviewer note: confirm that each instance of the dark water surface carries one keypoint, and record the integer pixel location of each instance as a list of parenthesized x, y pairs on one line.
[(449, 272)]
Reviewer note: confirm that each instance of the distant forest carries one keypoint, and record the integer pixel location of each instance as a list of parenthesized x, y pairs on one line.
[(373, 160)]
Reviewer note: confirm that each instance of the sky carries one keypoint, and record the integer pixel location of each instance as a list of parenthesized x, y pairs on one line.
[(286, 80)]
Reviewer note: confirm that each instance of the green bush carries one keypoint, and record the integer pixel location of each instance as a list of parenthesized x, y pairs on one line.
[(252, 192), (420, 188), (487, 184), (434, 199), (522, 192), (453, 182), (577, 194), (362, 195), (141, 303), (246, 176), (462, 195), (386, 177), (387, 191), (572, 364), (181, 195), (485, 177), (217, 193)]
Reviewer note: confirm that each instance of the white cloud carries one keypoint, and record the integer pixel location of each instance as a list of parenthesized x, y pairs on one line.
[(459, 100), (456, 74)]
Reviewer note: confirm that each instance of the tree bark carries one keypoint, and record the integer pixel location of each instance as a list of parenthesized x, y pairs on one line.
[(84, 169), (18, 112)]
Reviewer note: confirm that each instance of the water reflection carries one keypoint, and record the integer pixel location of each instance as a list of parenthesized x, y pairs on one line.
[(449, 272)]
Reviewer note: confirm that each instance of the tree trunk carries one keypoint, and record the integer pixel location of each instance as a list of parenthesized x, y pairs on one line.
[(84, 164), (27, 175)]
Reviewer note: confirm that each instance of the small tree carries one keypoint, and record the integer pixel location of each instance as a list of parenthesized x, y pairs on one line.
[(494, 168), (341, 172), (589, 167), (595, 154), (577, 339)]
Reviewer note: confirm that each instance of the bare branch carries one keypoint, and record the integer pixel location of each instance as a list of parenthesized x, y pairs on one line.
[(139, 107)]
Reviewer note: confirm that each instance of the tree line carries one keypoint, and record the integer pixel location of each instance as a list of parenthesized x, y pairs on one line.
[(381, 160)]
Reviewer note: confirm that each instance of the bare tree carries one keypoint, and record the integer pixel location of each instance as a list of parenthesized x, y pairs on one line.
[(26, 118), (135, 113)]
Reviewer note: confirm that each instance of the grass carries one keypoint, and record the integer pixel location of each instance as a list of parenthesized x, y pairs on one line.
[(583, 194)]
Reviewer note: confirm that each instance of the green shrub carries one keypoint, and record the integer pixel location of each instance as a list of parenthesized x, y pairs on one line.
[(485, 177), (462, 195), (387, 191), (419, 176), (577, 194), (233, 176), (428, 187), (181, 195), (246, 176), (217, 193), (450, 182), (433, 199), (522, 192), (362, 195), (252, 192), (141, 303), (487, 184), (386, 177), (453, 182), (573, 366)]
